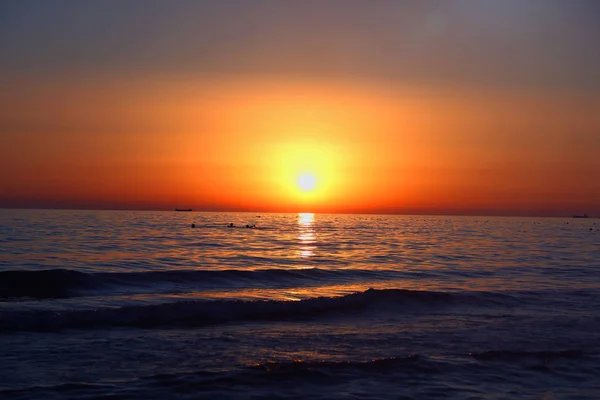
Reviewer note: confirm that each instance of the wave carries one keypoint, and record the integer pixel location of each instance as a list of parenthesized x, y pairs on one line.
[(520, 355), (411, 377), (211, 312), (64, 283), (53, 283), (224, 384), (413, 361), (311, 378)]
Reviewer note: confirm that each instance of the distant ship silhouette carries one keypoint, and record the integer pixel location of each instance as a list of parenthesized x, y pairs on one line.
[(581, 216), (183, 209)]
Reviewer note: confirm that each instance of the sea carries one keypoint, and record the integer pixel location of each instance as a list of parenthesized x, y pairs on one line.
[(141, 305)]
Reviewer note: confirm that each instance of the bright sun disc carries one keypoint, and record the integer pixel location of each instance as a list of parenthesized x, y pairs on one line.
[(307, 182)]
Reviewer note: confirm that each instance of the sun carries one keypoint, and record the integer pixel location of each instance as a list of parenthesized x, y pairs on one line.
[(305, 171), (307, 182)]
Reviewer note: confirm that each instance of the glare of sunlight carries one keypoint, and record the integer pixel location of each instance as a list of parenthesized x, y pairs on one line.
[(307, 181), (306, 235), (306, 219)]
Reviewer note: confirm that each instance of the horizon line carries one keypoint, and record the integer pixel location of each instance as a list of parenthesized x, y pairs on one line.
[(299, 212)]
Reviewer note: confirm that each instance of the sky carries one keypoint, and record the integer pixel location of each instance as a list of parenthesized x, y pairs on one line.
[(390, 106)]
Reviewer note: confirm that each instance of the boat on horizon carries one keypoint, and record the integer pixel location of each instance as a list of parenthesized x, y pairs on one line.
[(183, 209), (581, 216)]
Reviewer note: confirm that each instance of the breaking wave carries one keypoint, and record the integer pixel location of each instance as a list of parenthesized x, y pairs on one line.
[(64, 283), (207, 312)]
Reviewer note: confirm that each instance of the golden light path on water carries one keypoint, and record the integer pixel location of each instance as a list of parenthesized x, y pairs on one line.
[(306, 235)]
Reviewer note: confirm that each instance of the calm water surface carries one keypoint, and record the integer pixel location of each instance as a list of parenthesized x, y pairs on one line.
[(96, 304)]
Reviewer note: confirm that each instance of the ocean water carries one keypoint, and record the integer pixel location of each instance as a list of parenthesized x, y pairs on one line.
[(139, 305)]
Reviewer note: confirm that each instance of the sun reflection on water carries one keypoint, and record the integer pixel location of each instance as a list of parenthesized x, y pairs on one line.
[(306, 235)]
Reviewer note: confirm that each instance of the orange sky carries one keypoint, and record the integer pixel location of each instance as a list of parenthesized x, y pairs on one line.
[(239, 145), (509, 141)]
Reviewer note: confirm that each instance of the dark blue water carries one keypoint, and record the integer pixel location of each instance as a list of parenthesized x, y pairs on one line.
[(139, 305)]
